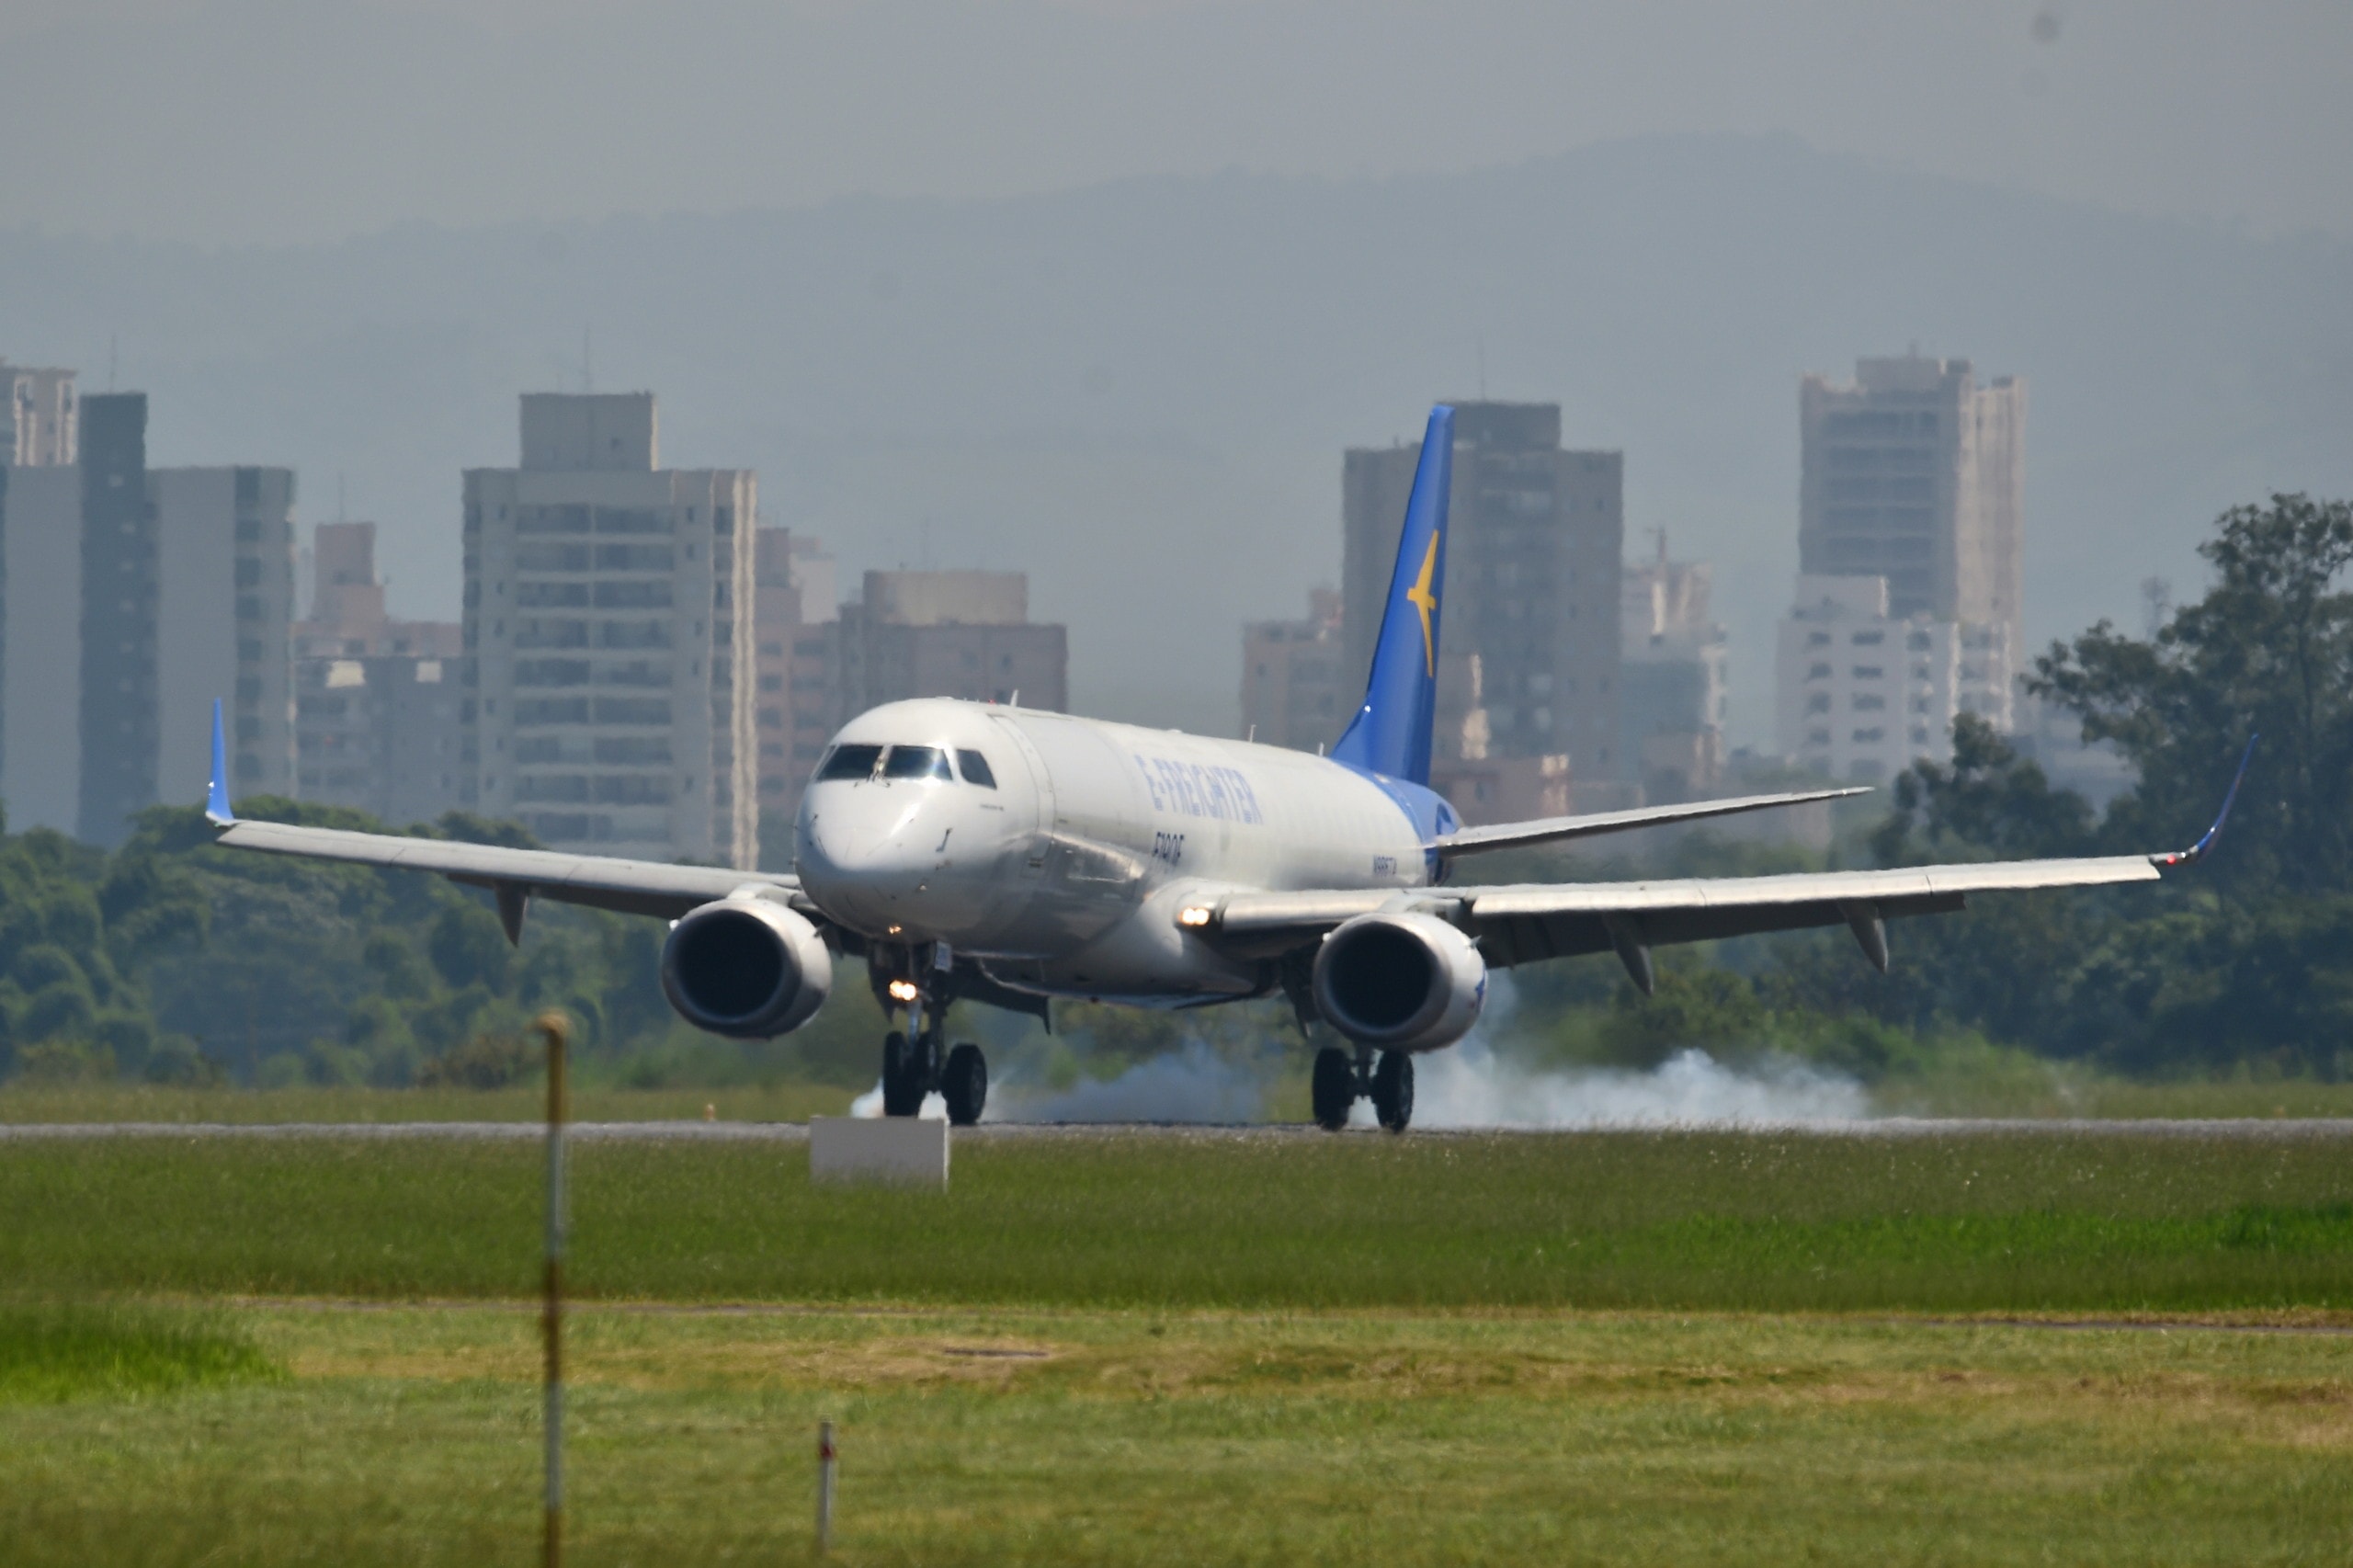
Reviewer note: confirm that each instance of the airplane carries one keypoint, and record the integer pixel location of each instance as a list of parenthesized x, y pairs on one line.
[(1004, 857)]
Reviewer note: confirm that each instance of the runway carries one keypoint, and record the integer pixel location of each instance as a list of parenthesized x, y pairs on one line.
[(2249, 1129)]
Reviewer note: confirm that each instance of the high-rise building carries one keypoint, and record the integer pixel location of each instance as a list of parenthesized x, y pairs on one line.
[(608, 633), (1294, 693), (1531, 586), (116, 643), (225, 625), (134, 598), (964, 634), (1672, 679), (1910, 539), (378, 706), (40, 641), (1916, 473), (37, 417), (1865, 692), (776, 628)]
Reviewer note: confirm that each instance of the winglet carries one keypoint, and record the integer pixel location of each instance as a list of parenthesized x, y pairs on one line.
[(2197, 851), (216, 792)]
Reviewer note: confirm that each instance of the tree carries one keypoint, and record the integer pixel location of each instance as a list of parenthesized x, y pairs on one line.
[(1990, 802), (2269, 648)]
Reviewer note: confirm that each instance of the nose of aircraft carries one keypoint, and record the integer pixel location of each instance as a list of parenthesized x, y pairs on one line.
[(871, 853)]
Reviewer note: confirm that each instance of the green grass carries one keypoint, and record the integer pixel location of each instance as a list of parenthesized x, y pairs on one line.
[(60, 1350), (1264, 1349), (2091, 1221), (411, 1436), (1986, 1082), (22, 1103)]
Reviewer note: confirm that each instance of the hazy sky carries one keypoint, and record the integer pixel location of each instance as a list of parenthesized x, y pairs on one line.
[(223, 120)]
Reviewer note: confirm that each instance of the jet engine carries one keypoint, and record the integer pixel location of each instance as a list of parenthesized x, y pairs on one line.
[(745, 969), (1399, 981)]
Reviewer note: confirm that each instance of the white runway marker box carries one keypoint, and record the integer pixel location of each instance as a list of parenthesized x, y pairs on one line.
[(902, 1150)]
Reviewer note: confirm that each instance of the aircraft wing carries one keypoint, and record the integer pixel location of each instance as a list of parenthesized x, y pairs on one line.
[(517, 876), (1523, 923), (1550, 830)]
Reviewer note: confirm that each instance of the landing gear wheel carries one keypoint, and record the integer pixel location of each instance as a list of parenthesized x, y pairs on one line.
[(1392, 1090), (903, 1084), (1332, 1088), (964, 1085)]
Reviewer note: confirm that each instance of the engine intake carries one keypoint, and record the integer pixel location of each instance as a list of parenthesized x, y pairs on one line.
[(1399, 981), (745, 969)]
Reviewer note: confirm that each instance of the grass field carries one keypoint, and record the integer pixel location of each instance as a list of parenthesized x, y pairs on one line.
[(2025, 1089), (23, 1104), (1636, 1348), (409, 1436), (1999, 1222)]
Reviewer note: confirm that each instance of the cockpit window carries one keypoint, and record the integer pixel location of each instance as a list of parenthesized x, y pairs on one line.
[(916, 762), (850, 762), (975, 769)]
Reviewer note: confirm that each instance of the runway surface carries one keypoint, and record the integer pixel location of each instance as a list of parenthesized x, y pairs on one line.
[(798, 1131)]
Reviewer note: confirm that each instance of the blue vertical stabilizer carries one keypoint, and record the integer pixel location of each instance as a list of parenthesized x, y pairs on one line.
[(1390, 734)]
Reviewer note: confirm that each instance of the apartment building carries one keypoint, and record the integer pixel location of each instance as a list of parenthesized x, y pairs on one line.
[(1866, 692), (1294, 691), (1531, 586), (1912, 496), (1673, 678), (609, 640), (378, 716), (133, 597)]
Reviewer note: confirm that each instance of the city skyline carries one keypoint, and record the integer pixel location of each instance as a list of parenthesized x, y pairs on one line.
[(1174, 365)]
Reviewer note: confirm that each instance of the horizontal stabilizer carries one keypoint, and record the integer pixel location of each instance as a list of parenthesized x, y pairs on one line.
[(1552, 830)]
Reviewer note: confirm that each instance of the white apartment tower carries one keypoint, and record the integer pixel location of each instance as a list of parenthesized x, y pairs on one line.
[(1910, 542), (611, 705), (1865, 693)]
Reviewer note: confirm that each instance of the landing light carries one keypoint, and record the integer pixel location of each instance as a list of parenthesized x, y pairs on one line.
[(1194, 915), (904, 990)]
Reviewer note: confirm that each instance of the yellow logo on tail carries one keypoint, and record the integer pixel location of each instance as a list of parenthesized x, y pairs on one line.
[(1426, 602)]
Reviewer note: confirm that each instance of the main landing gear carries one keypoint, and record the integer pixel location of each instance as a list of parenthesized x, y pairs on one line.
[(1339, 1078), (914, 1067)]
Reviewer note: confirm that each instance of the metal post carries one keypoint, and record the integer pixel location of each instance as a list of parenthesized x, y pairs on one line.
[(553, 1028), (824, 1484)]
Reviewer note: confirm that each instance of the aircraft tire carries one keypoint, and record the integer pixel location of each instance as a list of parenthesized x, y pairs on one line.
[(903, 1086), (1392, 1090), (1332, 1088), (964, 1085)]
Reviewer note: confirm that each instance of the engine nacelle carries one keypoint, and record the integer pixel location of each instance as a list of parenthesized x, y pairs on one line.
[(1399, 981), (745, 969)]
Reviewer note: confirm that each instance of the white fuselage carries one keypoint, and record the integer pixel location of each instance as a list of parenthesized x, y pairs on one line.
[(1067, 875)]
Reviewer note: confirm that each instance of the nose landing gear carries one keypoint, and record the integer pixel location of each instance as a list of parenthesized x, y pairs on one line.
[(913, 1067), (1338, 1080)]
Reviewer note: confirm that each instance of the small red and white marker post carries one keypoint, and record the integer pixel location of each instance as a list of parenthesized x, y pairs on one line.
[(825, 1457)]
